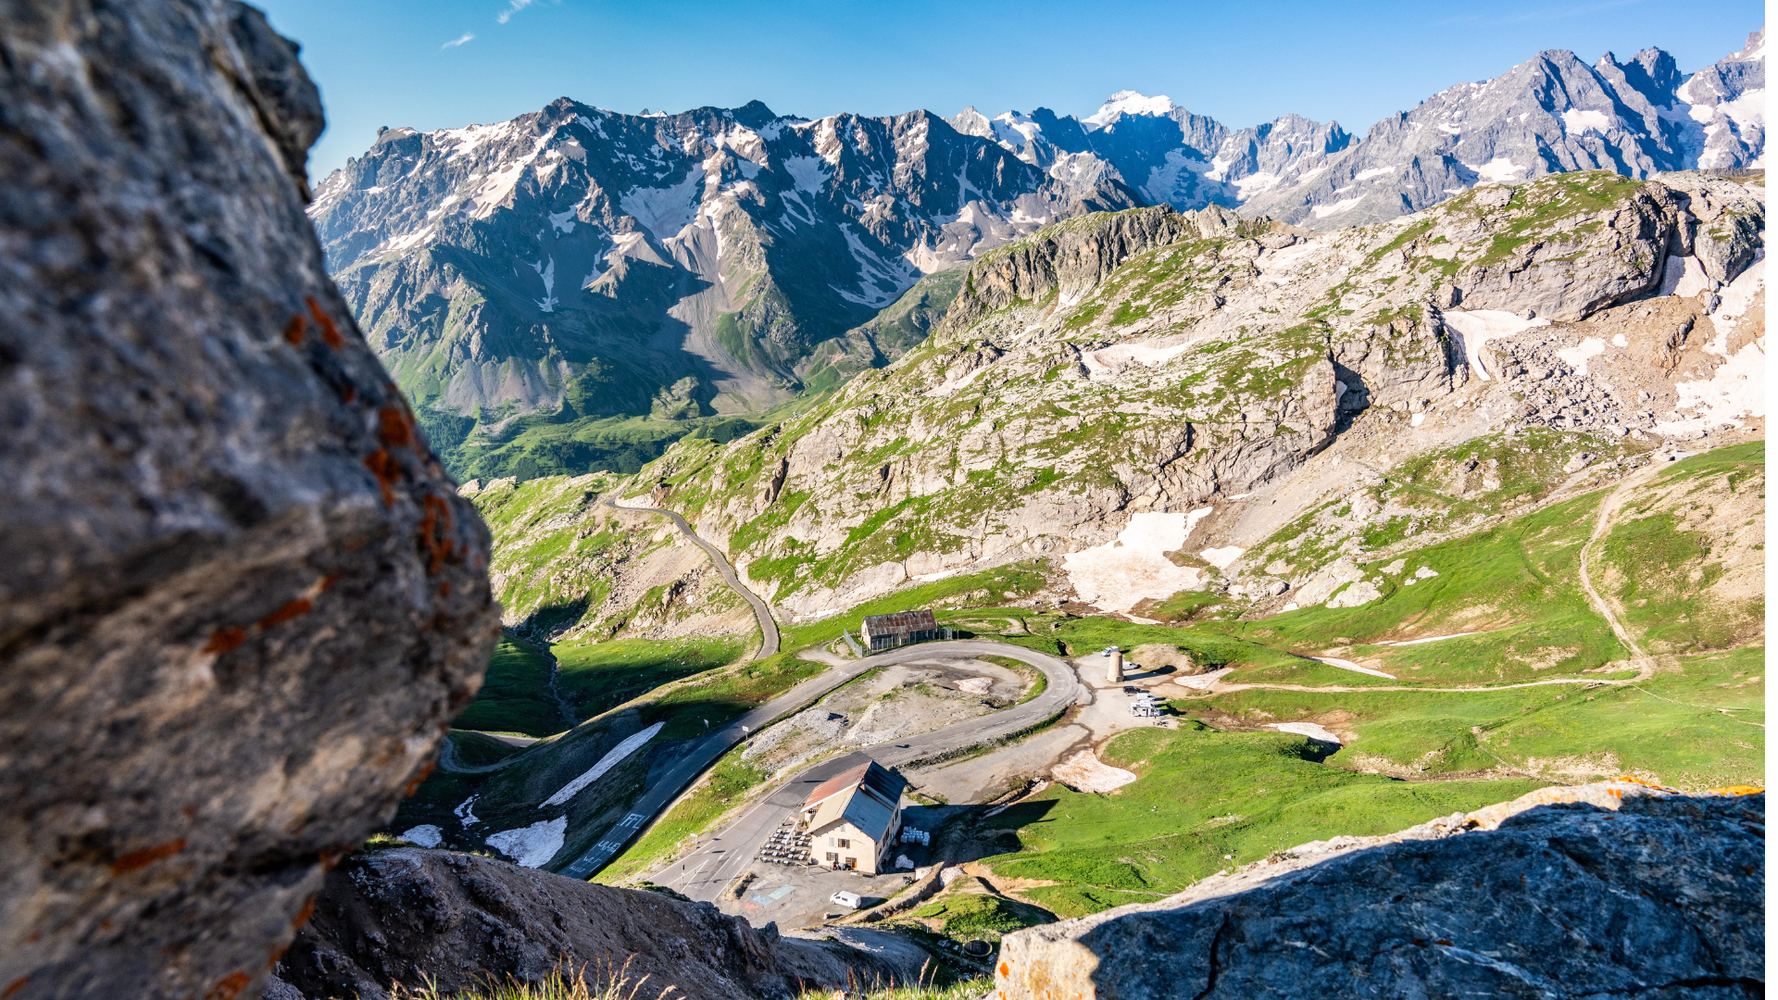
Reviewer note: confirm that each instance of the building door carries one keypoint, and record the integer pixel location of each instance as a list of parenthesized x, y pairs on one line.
[(851, 864)]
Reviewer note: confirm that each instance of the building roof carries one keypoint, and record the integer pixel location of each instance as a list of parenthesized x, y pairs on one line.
[(857, 806), (884, 782), (864, 796), (901, 621)]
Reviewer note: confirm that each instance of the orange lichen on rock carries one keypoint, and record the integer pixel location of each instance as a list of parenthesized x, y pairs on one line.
[(425, 772), (387, 470), (229, 986), (396, 429), (435, 529), (225, 639), (293, 330), (16, 985), (1736, 790), (329, 331), (291, 609), (147, 856), (303, 915)]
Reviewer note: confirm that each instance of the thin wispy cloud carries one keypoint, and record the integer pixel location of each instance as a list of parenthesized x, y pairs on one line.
[(513, 7), (465, 40)]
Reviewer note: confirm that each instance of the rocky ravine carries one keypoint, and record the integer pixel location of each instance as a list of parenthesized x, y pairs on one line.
[(1608, 891), (1117, 385), (242, 599)]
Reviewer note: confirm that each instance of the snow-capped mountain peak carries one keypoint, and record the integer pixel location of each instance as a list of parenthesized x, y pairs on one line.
[(1129, 102)]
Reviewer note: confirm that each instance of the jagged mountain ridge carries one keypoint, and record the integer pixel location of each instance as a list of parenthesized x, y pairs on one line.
[(1550, 114), (599, 263), (576, 265), (1151, 364)]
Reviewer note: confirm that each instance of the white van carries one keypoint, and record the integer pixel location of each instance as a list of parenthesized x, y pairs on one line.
[(849, 900)]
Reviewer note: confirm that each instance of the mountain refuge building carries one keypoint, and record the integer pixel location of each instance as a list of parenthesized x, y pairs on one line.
[(899, 629), (852, 818)]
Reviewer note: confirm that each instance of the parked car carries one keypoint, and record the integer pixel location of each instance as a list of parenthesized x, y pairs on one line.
[(849, 900)]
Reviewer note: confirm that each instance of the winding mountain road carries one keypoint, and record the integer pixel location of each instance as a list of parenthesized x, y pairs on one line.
[(714, 864), (768, 627)]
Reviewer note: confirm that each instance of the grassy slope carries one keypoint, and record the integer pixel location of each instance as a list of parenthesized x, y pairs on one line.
[(598, 676), (515, 695), (1664, 572), (1205, 801), (1204, 794), (1516, 581)]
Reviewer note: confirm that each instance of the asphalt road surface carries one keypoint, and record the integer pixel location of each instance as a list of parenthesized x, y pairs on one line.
[(768, 628), (704, 874), (664, 791)]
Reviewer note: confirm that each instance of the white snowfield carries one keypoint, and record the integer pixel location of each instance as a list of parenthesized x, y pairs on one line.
[(531, 846), (1129, 102), (1736, 390), (1343, 205), (1110, 360), (612, 758), (1085, 772), (1119, 575), (1309, 729), (426, 835), (1577, 121), (1476, 327)]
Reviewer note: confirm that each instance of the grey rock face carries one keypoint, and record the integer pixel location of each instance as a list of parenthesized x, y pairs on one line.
[(1551, 114), (1662, 897), (1726, 105), (580, 258), (1574, 269), (577, 262), (410, 915), (1070, 260), (241, 598)]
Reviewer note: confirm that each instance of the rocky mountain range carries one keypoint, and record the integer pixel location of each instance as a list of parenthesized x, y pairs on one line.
[(1210, 373), (575, 288)]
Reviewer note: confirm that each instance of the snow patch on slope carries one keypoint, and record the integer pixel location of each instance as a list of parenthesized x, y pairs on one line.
[(612, 758), (531, 846), (667, 210), (1128, 102), (1121, 574)]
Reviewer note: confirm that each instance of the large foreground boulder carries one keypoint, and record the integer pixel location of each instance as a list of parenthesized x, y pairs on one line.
[(1663, 897), (458, 920), (240, 597)]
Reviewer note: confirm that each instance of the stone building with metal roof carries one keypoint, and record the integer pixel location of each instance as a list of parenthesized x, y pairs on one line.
[(852, 818), (899, 629)]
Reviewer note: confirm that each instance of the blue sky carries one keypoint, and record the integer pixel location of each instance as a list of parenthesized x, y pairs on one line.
[(446, 63)]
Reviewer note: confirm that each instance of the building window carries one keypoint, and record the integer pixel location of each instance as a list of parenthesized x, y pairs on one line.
[(843, 843), (833, 859)]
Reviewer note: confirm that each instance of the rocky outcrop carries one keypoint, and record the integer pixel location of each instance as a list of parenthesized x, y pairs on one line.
[(1661, 897), (1571, 270), (1068, 260), (1146, 362), (241, 597), (455, 920)]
